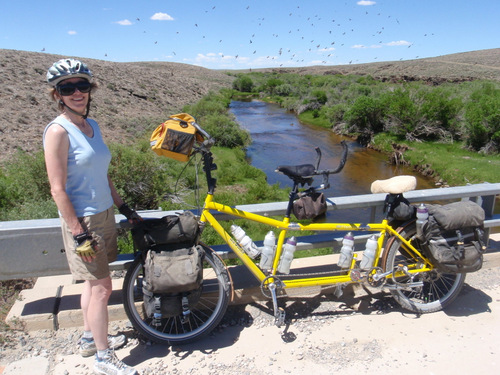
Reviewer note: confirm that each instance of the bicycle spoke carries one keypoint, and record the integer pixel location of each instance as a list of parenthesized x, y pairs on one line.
[(203, 316), (438, 290)]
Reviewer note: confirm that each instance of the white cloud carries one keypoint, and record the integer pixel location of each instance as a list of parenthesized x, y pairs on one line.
[(72, 32), (124, 22), (366, 2), (398, 43), (362, 46), (161, 17), (326, 49)]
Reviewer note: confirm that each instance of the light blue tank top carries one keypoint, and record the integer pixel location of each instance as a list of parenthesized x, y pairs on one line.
[(88, 161)]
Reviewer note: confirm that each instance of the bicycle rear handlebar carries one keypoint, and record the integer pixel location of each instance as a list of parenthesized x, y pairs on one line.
[(341, 165)]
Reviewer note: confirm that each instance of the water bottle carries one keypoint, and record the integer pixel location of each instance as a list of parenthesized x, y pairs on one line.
[(245, 242), (346, 251), (287, 256), (422, 216), (369, 253), (267, 255)]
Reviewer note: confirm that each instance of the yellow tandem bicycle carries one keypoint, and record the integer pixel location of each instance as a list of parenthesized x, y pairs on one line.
[(399, 264)]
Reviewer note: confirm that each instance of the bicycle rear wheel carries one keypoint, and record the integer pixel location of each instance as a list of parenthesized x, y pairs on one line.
[(204, 317), (428, 291)]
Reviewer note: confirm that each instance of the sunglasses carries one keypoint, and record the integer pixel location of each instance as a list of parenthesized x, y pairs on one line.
[(68, 89)]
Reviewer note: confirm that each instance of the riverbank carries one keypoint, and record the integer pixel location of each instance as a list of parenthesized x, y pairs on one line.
[(448, 164)]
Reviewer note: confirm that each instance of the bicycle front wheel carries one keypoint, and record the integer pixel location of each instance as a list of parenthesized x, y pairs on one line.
[(204, 316), (428, 291)]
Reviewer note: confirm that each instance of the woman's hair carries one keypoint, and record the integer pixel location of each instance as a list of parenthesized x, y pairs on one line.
[(54, 95)]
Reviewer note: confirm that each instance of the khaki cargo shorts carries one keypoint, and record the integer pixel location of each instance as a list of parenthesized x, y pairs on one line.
[(102, 227)]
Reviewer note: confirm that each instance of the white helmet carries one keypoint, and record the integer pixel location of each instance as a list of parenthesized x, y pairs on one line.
[(68, 68)]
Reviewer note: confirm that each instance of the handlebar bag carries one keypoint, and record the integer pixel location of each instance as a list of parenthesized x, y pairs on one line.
[(175, 138), (309, 206), (166, 233), (454, 236)]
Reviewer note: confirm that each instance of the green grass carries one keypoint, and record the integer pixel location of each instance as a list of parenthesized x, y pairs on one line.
[(449, 161), (454, 164), (308, 117)]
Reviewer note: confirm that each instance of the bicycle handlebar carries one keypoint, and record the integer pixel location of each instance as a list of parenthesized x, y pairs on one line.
[(341, 165)]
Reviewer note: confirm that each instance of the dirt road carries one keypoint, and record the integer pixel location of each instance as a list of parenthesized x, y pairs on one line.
[(359, 333)]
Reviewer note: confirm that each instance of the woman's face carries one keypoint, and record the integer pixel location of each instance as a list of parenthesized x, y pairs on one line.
[(78, 100)]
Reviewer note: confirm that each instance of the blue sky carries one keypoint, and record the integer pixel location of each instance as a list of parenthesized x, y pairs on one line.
[(223, 34)]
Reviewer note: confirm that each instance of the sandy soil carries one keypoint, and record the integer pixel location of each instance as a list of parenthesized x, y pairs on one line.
[(360, 333)]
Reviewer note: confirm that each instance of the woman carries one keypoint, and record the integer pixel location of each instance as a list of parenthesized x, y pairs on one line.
[(77, 163)]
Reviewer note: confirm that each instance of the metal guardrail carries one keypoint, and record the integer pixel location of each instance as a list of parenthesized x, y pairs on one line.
[(33, 248)]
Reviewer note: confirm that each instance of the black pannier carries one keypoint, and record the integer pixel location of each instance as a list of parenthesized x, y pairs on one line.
[(173, 264), (399, 208), (310, 206), (454, 236), (167, 233)]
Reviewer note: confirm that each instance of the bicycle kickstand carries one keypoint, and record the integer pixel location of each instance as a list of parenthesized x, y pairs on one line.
[(279, 312)]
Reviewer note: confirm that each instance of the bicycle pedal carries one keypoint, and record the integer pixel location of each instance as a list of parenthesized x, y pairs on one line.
[(279, 319)]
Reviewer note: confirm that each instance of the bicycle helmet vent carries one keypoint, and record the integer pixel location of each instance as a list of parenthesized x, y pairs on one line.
[(67, 68)]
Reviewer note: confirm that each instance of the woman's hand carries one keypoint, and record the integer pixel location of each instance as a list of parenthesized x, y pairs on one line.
[(132, 216), (85, 246)]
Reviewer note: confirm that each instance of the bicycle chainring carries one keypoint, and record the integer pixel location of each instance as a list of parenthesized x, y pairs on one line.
[(375, 283), (279, 287)]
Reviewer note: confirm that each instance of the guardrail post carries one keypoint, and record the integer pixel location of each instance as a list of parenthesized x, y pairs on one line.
[(488, 205)]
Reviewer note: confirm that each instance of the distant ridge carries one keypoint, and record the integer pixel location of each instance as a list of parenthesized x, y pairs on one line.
[(136, 96), (482, 64)]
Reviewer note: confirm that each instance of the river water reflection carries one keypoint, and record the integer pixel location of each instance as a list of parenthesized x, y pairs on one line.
[(280, 139)]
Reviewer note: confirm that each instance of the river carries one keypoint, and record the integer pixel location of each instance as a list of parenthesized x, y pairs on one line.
[(279, 138)]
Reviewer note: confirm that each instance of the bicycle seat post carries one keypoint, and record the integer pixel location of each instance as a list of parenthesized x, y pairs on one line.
[(291, 198)]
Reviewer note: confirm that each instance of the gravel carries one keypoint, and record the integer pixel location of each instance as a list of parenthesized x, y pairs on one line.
[(324, 334)]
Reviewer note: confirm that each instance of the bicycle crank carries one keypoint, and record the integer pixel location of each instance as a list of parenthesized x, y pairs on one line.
[(279, 312)]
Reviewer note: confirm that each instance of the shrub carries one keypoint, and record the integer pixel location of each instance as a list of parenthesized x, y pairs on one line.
[(283, 90), (27, 177), (439, 113), (140, 176), (24, 188), (335, 113), (401, 112), (243, 83), (225, 131), (366, 115), (212, 115), (483, 119), (271, 84), (320, 96), (210, 104)]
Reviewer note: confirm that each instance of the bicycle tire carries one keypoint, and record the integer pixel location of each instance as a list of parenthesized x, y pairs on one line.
[(204, 317), (438, 290)]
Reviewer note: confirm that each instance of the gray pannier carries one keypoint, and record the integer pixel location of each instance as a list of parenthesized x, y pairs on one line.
[(454, 236), (173, 281)]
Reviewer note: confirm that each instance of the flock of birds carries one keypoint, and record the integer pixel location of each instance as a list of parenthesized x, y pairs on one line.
[(304, 40)]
